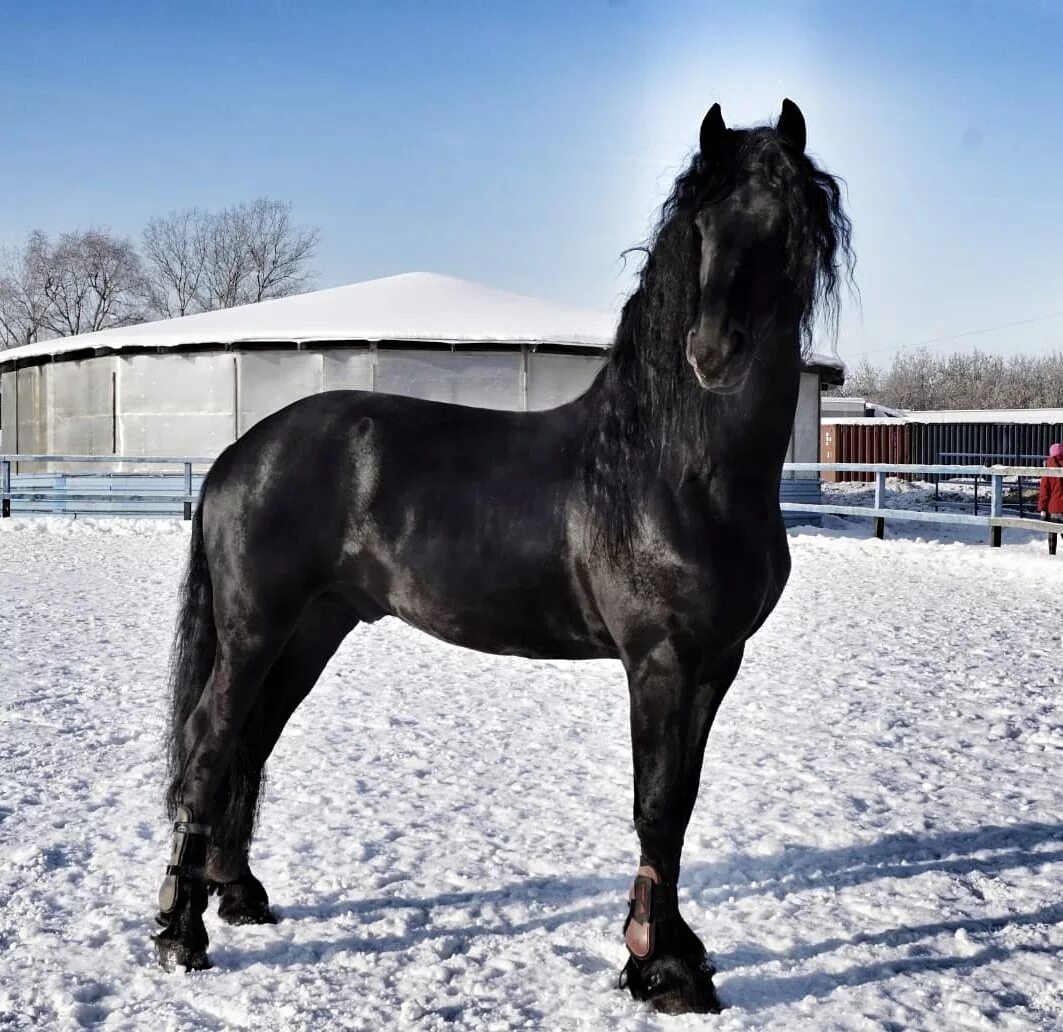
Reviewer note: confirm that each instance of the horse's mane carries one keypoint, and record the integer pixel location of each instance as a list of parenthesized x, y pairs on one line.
[(647, 393)]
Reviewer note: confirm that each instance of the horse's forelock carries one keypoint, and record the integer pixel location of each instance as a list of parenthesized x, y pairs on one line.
[(819, 242)]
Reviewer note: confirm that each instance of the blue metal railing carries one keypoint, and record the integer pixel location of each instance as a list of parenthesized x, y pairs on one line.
[(136, 493), (130, 493), (995, 522)]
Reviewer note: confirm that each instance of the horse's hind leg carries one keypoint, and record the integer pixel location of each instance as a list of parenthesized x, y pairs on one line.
[(673, 704), (322, 627), (243, 898), (212, 733)]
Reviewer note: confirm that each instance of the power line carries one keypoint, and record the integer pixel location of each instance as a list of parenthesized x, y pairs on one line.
[(969, 333)]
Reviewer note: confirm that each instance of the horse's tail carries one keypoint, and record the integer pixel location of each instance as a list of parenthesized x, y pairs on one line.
[(192, 656), (235, 804)]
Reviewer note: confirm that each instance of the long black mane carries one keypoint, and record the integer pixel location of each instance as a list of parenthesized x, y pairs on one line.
[(647, 395)]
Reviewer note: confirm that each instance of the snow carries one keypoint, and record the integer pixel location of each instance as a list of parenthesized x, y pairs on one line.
[(1028, 415), (950, 496), (412, 306), (447, 836)]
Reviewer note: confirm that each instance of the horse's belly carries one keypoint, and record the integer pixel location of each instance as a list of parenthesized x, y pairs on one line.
[(536, 629)]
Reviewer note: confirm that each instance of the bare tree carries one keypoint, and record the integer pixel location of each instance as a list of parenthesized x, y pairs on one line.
[(227, 261), (917, 380), (193, 261), (863, 380), (255, 252), (175, 248), (1052, 380), (23, 300), (93, 281), (278, 249), (965, 380), (1033, 382)]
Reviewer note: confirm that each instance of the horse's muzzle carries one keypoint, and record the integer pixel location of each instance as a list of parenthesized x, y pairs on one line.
[(720, 361)]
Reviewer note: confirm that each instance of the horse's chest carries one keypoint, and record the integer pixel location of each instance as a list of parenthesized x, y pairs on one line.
[(717, 594)]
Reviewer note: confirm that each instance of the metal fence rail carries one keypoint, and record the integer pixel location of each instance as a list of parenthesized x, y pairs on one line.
[(181, 498), (58, 497), (995, 522)]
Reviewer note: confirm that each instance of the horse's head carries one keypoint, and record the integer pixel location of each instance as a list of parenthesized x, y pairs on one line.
[(747, 283)]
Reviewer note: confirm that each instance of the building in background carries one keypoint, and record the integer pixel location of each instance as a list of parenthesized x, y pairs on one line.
[(951, 437)]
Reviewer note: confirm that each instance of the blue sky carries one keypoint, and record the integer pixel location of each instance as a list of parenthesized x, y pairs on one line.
[(526, 144)]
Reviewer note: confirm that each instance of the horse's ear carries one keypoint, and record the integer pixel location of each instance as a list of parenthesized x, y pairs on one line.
[(713, 132), (791, 125)]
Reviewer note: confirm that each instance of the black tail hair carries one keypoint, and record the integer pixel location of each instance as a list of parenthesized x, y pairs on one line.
[(192, 656), (235, 805)]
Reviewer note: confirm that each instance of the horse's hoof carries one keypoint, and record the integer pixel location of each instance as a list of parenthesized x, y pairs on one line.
[(673, 985), (244, 902), (241, 913), (174, 955)]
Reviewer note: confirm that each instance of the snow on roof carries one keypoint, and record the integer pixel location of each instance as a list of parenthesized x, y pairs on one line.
[(1043, 415), (413, 306), (410, 307), (826, 360)]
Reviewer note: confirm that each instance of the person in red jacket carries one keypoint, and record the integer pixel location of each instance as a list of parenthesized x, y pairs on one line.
[(1050, 500)]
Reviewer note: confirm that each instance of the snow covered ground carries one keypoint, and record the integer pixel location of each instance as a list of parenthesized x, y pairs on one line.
[(447, 837)]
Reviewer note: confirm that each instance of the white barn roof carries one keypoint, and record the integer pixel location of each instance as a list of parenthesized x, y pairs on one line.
[(1041, 415), (1032, 416), (413, 306)]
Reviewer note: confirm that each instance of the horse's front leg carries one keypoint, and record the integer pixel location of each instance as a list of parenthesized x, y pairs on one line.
[(673, 704)]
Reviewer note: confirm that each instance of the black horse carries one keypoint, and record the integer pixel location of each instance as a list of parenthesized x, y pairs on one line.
[(639, 522)]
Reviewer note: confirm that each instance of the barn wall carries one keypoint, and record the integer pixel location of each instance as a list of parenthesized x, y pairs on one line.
[(269, 380), (8, 409), (174, 404), (938, 443), (348, 370), (555, 379), (487, 379), (197, 403), (871, 442), (80, 410), (31, 390), (1018, 444), (804, 440)]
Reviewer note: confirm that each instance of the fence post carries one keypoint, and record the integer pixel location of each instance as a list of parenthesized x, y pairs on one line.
[(5, 488), (996, 499), (996, 507), (188, 491), (880, 503)]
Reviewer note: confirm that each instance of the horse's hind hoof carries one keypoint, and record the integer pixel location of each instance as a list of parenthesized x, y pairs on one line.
[(175, 956), (673, 985), (244, 902), (240, 913)]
